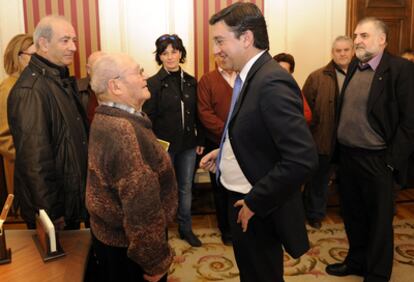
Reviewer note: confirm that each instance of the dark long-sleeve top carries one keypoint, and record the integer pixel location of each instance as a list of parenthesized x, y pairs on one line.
[(164, 109), (131, 192)]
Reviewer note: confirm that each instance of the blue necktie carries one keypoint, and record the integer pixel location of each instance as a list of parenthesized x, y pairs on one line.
[(236, 91)]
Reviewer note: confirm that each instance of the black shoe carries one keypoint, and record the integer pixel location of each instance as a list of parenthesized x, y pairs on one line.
[(315, 223), (227, 240), (190, 237), (342, 269)]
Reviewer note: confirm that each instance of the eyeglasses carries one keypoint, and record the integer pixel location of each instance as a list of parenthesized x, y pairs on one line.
[(25, 53), (167, 36)]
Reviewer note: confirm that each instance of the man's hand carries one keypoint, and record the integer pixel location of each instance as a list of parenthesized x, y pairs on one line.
[(244, 214), (208, 162)]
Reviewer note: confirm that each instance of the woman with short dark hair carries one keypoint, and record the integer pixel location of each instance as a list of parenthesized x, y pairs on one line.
[(173, 112)]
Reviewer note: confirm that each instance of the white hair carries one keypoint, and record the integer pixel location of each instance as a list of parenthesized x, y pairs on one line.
[(108, 67)]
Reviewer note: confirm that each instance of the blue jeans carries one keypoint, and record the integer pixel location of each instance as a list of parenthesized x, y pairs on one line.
[(184, 163)]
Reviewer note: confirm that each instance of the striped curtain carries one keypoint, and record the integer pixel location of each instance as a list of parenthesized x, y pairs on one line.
[(83, 14), (203, 45)]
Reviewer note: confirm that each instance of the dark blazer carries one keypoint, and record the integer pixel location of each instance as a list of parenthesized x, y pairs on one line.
[(164, 110), (274, 149), (391, 109)]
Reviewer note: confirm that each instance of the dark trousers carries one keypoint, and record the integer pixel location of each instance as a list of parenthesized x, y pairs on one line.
[(366, 194), (114, 264), (258, 251), (315, 193), (220, 198), (220, 204)]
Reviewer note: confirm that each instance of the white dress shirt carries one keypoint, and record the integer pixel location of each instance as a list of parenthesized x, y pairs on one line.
[(231, 175)]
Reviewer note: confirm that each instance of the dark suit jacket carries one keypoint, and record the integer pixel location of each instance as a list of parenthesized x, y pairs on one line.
[(391, 109), (274, 149)]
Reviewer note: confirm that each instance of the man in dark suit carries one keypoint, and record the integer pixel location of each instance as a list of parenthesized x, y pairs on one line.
[(266, 151), (375, 137)]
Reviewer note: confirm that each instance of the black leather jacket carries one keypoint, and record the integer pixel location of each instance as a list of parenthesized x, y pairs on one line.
[(164, 110), (50, 134)]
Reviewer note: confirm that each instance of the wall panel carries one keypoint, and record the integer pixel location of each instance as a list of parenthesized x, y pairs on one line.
[(203, 10), (83, 14)]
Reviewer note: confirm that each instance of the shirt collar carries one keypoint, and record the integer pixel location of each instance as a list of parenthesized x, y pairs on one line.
[(245, 70), (338, 68), (123, 107), (374, 62), (63, 70)]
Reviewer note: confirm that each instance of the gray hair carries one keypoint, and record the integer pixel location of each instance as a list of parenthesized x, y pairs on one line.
[(105, 68), (45, 28), (380, 25), (342, 38)]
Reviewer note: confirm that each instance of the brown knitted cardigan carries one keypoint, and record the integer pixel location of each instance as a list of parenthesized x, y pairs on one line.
[(131, 192)]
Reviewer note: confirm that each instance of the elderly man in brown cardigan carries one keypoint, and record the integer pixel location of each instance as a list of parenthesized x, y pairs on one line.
[(131, 192)]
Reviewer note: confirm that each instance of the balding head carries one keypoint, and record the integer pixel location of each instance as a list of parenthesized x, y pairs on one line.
[(55, 40), (93, 57), (45, 28), (118, 78)]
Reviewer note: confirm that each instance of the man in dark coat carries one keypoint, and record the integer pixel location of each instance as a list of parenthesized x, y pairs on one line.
[(266, 151), (321, 89), (375, 138), (49, 130)]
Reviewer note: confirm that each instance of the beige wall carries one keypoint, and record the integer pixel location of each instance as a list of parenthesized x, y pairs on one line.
[(303, 28), (11, 23), (131, 27), (306, 30)]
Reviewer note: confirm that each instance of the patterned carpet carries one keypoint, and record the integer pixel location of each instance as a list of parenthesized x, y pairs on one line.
[(215, 261)]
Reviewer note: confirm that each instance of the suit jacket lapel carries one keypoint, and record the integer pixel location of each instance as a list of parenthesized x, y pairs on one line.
[(378, 82), (255, 67)]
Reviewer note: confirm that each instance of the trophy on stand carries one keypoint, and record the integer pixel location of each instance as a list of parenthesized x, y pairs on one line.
[(46, 238), (5, 254)]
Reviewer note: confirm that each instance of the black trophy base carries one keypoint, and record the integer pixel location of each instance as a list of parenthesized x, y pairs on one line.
[(48, 256), (6, 259)]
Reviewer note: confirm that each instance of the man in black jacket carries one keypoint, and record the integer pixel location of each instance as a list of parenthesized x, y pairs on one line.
[(49, 130), (375, 138)]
